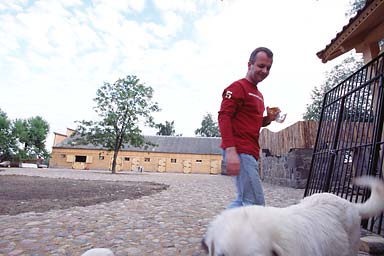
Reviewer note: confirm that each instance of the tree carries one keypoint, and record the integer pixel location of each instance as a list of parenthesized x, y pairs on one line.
[(7, 140), (209, 127), (23, 138), (337, 74), (120, 107), (38, 130), (167, 129), (31, 133), (356, 5)]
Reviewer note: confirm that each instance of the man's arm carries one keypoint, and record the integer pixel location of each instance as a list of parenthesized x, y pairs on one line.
[(229, 105), (231, 97), (232, 161)]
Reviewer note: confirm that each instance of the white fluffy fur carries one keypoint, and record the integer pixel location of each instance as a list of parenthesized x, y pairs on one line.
[(321, 224), (98, 252)]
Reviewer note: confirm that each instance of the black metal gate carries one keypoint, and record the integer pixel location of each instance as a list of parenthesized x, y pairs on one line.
[(350, 137)]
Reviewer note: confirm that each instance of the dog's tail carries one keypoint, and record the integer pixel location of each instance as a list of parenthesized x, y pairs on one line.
[(375, 203)]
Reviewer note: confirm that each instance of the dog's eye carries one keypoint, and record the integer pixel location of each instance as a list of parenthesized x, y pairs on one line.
[(274, 253)]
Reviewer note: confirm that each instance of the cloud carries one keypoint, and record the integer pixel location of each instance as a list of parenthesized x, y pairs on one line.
[(183, 6), (54, 55)]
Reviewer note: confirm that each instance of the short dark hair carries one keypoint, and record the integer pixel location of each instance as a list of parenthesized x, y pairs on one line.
[(252, 58)]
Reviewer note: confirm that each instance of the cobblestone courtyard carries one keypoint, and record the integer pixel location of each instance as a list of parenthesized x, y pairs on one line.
[(131, 213), (169, 222)]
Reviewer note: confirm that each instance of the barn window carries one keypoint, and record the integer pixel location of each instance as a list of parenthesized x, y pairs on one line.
[(81, 159), (63, 156), (173, 160), (126, 159), (199, 161), (147, 159)]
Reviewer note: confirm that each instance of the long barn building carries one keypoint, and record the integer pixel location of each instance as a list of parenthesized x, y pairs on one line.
[(172, 154)]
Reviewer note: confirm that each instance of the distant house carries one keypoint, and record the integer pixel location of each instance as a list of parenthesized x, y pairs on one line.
[(172, 154)]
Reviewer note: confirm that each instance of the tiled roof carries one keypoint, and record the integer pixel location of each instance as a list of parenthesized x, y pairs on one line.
[(166, 144)]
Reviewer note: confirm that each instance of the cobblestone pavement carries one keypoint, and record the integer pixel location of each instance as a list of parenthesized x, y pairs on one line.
[(168, 223)]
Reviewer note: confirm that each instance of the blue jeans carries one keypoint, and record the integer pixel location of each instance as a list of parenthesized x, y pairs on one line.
[(248, 184)]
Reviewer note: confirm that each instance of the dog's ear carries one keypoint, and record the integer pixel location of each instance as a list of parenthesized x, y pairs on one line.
[(276, 250)]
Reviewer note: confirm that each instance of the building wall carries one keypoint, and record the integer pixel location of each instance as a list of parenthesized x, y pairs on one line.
[(131, 161)]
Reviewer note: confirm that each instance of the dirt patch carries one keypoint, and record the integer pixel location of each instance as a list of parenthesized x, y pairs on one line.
[(20, 194)]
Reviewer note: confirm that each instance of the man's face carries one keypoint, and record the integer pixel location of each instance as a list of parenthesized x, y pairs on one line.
[(259, 70)]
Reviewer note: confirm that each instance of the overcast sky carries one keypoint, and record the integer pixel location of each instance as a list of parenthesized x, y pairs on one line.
[(55, 54)]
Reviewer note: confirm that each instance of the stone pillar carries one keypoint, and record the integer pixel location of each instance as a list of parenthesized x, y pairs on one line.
[(299, 163)]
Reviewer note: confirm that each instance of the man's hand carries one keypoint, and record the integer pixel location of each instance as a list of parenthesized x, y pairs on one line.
[(272, 113), (232, 161)]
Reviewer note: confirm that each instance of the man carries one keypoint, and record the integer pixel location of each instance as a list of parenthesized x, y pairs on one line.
[(240, 120)]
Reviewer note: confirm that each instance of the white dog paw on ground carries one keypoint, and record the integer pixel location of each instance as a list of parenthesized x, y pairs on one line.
[(98, 252)]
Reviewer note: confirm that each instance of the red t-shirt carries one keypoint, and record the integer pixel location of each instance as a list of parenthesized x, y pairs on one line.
[(241, 117)]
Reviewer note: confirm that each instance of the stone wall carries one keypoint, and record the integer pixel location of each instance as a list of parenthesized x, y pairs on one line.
[(289, 169)]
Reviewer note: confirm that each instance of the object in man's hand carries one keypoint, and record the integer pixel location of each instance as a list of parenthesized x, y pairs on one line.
[(280, 117), (274, 110)]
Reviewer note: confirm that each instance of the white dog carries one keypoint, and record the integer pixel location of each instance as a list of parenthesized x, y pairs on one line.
[(320, 225)]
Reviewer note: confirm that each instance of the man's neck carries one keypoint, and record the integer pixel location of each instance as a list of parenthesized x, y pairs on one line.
[(249, 80)]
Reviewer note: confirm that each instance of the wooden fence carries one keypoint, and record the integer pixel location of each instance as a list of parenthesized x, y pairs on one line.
[(301, 134)]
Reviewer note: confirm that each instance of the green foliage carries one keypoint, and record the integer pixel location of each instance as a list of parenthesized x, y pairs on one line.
[(337, 75), (120, 107), (23, 139), (20, 130), (167, 129), (313, 110), (209, 127), (355, 5), (31, 134), (7, 141)]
